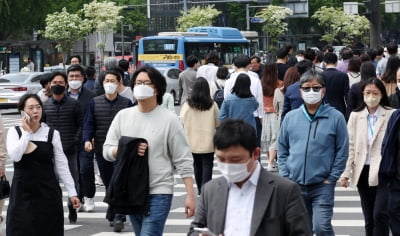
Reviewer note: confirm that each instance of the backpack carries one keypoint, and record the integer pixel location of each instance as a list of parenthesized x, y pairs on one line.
[(219, 95)]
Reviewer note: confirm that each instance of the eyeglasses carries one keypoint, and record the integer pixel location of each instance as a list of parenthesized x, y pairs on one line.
[(147, 82), (315, 89)]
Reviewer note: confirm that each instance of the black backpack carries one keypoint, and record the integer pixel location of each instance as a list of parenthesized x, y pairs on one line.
[(219, 95)]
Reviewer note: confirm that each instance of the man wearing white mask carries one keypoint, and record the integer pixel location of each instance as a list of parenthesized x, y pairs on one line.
[(76, 76), (100, 113), (313, 148), (247, 197), (167, 148)]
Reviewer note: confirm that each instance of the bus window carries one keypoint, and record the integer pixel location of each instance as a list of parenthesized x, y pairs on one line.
[(160, 46)]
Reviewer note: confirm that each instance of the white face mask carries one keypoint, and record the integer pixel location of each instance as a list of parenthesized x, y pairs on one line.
[(234, 172), (372, 101), (142, 91), (311, 97), (75, 84), (398, 85), (109, 88)]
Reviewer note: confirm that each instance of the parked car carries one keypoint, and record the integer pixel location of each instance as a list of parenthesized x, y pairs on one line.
[(172, 77), (14, 85)]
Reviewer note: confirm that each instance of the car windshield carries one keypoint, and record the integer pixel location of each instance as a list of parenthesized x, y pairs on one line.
[(14, 78)]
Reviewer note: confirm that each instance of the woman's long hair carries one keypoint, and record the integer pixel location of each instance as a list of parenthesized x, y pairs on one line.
[(391, 69), (242, 86), (200, 98), (269, 81), (291, 76), (379, 84)]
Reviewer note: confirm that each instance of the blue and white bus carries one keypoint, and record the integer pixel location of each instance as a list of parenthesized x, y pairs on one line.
[(169, 49)]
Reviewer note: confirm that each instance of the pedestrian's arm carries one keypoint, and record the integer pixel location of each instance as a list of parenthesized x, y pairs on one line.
[(200, 218), (286, 106), (351, 126), (78, 122), (16, 146), (190, 202), (110, 146), (89, 127), (3, 150), (283, 150), (342, 150), (180, 89)]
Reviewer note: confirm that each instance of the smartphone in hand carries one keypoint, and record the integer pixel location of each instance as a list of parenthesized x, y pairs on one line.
[(205, 231), (28, 118)]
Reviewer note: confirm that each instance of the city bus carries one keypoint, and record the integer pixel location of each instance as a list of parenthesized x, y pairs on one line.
[(169, 49)]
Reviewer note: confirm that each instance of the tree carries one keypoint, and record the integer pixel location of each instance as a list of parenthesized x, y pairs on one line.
[(65, 28), (341, 27), (197, 16), (275, 23), (103, 18)]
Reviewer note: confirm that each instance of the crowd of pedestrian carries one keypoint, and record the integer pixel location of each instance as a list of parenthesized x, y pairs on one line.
[(320, 120)]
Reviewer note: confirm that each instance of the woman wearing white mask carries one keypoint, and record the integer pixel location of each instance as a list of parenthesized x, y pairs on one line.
[(394, 99), (366, 126), (168, 150), (100, 113)]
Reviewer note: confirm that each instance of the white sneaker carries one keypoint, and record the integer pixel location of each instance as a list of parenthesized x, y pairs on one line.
[(88, 204), (272, 168), (98, 181)]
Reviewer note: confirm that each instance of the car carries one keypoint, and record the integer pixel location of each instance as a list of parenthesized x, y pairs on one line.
[(171, 75), (14, 85)]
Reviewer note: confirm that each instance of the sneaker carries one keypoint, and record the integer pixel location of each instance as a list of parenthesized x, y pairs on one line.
[(118, 225), (98, 181), (272, 168), (88, 204)]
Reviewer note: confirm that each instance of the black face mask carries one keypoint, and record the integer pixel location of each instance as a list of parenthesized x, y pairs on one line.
[(57, 89)]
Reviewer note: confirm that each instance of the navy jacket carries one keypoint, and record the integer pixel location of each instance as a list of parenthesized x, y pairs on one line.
[(337, 89), (292, 99)]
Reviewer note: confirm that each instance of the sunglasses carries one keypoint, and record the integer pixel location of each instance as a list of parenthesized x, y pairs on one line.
[(308, 89)]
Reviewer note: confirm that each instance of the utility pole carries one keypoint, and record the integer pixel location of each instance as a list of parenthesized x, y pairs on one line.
[(374, 16)]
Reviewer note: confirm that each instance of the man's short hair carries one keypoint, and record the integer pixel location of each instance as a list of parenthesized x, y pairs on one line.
[(44, 79), (372, 53), (303, 66), (328, 48), (241, 61), (379, 50), (281, 53), (312, 74), (110, 62), (346, 53), (123, 64), (330, 58), (58, 73), (191, 60), (309, 54), (391, 48), (90, 72), (77, 57), (76, 67), (113, 71), (212, 57), (258, 59), (235, 132)]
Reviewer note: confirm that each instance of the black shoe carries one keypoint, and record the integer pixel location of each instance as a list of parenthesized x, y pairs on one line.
[(111, 223), (72, 216), (118, 225)]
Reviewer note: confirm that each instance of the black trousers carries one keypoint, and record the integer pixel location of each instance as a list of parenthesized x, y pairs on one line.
[(203, 165), (374, 204)]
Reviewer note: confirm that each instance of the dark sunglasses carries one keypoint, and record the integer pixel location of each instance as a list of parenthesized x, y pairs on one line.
[(315, 89)]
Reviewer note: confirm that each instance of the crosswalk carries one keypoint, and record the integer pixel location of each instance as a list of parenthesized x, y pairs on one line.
[(347, 219)]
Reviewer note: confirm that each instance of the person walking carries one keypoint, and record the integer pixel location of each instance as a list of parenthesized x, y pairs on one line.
[(366, 126), (167, 148), (241, 103), (199, 115), (35, 206)]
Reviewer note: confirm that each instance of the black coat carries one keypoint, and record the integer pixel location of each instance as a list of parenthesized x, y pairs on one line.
[(337, 89), (128, 191)]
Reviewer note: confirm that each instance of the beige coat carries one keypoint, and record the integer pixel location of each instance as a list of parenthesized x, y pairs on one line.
[(200, 127), (357, 127)]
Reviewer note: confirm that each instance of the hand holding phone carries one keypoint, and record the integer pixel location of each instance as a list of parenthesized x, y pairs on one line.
[(27, 117), (205, 231)]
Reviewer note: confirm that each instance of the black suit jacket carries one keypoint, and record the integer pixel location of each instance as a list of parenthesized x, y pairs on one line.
[(278, 208), (337, 89)]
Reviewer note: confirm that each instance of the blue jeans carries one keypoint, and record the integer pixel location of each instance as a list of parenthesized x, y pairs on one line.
[(153, 224), (319, 201)]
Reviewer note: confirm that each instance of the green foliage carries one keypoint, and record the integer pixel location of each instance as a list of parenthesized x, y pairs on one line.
[(341, 27), (275, 20), (65, 28), (197, 16)]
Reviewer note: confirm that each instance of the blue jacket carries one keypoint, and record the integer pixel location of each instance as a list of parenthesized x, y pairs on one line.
[(389, 150), (235, 107), (292, 99), (313, 150)]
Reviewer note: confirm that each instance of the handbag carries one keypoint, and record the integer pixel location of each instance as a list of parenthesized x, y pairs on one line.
[(4, 187)]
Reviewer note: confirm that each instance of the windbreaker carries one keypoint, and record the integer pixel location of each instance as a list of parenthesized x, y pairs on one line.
[(311, 150)]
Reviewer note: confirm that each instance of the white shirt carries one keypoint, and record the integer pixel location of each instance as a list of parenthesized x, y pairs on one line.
[(209, 72), (16, 147), (371, 121), (255, 87), (128, 93), (239, 210)]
